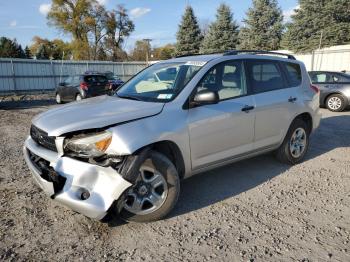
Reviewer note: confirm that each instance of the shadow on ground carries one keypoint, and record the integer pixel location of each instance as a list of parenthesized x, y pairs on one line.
[(219, 184), (26, 104)]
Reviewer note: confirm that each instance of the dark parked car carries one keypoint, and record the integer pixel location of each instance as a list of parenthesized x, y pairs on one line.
[(82, 86), (334, 89), (113, 79)]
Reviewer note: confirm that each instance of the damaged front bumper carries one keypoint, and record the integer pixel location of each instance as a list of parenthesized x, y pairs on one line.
[(86, 188)]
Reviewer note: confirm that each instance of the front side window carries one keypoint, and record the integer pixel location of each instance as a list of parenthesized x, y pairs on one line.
[(227, 79), (265, 76), (160, 82)]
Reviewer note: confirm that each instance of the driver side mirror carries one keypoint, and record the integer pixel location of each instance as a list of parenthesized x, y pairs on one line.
[(205, 97)]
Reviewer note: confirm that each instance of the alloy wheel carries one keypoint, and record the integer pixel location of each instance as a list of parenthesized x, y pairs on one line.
[(148, 193), (298, 142), (334, 103)]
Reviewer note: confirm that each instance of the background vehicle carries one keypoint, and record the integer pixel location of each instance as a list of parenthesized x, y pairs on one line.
[(128, 152), (113, 79), (82, 86), (334, 89)]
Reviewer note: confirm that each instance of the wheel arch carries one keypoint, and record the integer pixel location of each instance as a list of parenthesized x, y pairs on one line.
[(307, 118), (171, 150)]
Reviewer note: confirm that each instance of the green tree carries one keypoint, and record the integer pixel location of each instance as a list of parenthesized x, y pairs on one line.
[(97, 25), (42, 53), (54, 49), (223, 33), (315, 18), (27, 52), (164, 52), (119, 26), (263, 26), (189, 35), (72, 17), (10, 48), (140, 50)]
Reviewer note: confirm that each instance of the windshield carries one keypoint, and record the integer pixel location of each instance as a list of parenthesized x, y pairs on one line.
[(160, 82)]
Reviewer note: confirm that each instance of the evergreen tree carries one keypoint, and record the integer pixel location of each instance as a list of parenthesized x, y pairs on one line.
[(10, 48), (27, 53), (20, 52), (42, 52), (263, 26), (223, 33), (329, 18), (188, 36)]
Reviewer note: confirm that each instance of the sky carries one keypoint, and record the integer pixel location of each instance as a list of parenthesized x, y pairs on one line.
[(154, 19)]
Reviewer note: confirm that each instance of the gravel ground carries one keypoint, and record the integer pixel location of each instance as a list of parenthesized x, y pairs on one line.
[(254, 210)]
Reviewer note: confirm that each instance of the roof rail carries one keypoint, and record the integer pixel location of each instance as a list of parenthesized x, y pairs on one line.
[(195, 54), (257, 52)]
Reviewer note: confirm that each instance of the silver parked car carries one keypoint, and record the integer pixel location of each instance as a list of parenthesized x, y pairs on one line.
[(334, 89), (127, 153)]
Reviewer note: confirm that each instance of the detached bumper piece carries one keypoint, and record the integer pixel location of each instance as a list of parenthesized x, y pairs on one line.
[(86, 188)]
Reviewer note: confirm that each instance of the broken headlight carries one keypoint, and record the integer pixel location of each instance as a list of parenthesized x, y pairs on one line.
[(87, 145)]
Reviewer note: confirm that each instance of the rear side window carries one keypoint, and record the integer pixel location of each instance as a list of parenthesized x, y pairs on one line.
[(95, 79), (265, 76), (294, 74)]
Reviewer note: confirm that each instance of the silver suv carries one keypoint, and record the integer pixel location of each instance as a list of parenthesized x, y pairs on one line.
[(126, 154)]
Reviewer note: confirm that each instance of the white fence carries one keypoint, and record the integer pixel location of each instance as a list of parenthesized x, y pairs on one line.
[(335, 58), (29, 76)]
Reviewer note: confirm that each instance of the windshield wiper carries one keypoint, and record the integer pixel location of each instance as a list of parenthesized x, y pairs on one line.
[(130, 97)]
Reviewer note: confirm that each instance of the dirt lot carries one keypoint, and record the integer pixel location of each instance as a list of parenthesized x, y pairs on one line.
[(255, 210)]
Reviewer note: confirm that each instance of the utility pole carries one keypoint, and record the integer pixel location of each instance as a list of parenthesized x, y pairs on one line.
[(148, 42)]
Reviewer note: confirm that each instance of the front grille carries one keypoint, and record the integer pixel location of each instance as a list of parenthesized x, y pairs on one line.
[(47, 172), (42, 138)]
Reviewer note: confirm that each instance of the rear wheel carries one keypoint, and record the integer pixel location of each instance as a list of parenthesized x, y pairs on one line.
[(335, 103), (58, 99), (295, 144), (154, 192), (78, 97)]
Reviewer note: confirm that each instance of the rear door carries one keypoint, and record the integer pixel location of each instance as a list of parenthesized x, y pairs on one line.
[(275, 97), (97, 85)]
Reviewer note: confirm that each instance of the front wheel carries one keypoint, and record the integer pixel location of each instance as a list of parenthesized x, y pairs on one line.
[(155, 190), (295, 144)]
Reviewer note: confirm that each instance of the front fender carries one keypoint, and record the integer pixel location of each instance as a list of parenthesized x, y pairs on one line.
[(130, 137)]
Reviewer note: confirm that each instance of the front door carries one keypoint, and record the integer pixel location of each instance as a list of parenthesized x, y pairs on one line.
[(221, 131)]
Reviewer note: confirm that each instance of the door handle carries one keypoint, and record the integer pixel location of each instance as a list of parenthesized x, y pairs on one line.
[(247, 108), (292, 99)]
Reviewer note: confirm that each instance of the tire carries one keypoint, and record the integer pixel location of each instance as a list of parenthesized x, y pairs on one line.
[(58, 99), (335, 103), (163, 167), (287, 153), (78, 97)]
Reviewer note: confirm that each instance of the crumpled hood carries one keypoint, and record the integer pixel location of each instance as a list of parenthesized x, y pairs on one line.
[(93, 113)]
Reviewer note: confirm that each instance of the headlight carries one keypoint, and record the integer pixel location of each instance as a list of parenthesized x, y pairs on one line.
[(89, 145)]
